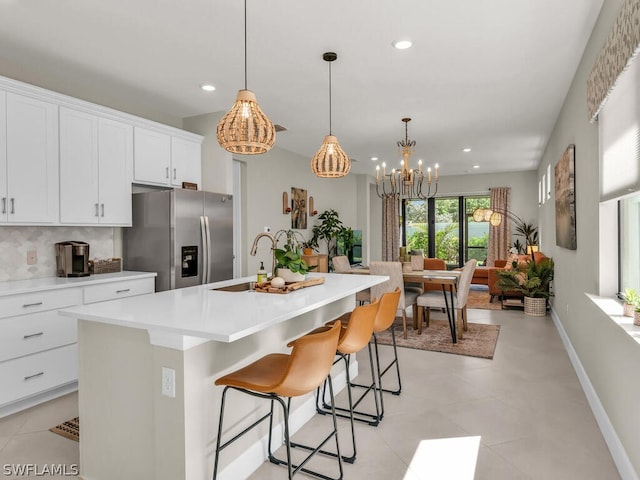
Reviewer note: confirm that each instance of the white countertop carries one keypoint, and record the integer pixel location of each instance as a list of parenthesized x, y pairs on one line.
[(15, 287), (218, 315)]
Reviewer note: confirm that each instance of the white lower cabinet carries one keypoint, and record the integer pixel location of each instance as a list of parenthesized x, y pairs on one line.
[(38, 347), (26, 376)]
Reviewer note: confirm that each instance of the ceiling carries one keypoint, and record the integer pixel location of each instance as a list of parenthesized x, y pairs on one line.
[(490, 75)]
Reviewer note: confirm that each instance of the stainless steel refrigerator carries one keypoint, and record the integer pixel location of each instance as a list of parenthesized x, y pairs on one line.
[(185, 236)]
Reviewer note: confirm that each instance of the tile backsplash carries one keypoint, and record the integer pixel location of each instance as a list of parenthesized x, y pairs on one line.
[(15, 242)]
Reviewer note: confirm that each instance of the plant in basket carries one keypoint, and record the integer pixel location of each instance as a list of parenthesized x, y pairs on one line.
[(532, 280)]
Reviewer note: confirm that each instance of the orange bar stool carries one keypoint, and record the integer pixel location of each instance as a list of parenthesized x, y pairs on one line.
[(354, 336), (277, 376), (384, 319)]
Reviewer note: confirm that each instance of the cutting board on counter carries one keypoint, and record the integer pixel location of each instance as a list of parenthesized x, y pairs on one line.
[(265, 287)]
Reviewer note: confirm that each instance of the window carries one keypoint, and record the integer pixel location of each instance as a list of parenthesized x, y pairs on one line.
[(629, 236), (443, 228)]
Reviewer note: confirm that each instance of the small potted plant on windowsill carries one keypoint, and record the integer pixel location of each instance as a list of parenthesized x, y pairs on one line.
[(289, 264), (630, 301), (636, 316)]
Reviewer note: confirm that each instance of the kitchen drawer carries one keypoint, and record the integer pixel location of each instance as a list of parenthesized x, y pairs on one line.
[(42, 301), (39, 372), (115, 290), (27, 334)]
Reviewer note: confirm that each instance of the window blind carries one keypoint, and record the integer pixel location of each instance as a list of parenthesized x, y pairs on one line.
[(619, 134)]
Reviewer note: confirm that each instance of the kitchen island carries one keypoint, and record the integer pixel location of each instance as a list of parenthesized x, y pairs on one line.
[(147, 404)]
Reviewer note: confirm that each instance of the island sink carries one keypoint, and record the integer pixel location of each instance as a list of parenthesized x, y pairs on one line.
[(240, 287)]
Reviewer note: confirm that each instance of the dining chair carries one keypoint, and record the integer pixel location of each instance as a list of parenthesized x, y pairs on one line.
[(407, 297), (434, 299), (416, 265), (341, 265)]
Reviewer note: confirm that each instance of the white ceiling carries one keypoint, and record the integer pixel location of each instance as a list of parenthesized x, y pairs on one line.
[(486, 74)]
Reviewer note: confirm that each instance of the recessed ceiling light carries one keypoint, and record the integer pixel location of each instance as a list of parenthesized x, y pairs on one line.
[(476, 166), (466, 150), (207, 87), (374, 159), (402, 44)]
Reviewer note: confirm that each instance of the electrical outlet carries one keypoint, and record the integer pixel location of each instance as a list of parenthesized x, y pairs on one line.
[(168, 382), (32, 257), (267, 229)]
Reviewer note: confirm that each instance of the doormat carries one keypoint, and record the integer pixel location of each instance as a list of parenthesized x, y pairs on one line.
[(479, 341), (69, 429)]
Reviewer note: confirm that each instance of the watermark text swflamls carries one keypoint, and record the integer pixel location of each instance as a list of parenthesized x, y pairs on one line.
[(32, 469)]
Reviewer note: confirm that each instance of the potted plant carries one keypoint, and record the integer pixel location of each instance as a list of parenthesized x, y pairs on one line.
[(630, 301), (332, 231), (532, 280), (636, 316), (289, 264)]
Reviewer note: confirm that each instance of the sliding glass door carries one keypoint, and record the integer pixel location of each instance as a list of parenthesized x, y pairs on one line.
[(442, 228)]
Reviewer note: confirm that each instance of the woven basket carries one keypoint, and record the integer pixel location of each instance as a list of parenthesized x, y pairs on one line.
[(112, 265), (535, 307)]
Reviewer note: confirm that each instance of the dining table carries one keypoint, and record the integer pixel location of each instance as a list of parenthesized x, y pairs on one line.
[(447, 279)]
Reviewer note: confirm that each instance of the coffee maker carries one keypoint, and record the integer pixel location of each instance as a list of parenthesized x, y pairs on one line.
[(72, 259)]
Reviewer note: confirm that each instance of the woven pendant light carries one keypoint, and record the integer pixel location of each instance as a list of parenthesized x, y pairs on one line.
[(245, 128), (330, 161)]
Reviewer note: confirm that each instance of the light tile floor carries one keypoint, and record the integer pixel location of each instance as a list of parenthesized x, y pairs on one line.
[(526, 405)]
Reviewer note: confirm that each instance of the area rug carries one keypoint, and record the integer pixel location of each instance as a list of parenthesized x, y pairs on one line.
[(480, 299), (69, 429), (480, 341)]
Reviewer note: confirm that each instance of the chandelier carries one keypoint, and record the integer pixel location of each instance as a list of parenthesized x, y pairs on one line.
[(405, 183)]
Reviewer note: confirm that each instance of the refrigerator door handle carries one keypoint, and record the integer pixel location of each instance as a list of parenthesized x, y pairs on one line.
[(209, 254), (205, 251)]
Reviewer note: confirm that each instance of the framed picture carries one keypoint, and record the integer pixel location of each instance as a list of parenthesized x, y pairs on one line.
[(298, 208), (566, 200)]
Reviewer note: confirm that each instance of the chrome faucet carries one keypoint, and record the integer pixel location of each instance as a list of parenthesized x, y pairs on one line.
[(254, 249)]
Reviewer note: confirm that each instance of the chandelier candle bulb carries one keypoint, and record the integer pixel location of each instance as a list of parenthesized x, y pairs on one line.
[(436, 172), (384, 170), (377, 173), (429, 175), (420, 165)]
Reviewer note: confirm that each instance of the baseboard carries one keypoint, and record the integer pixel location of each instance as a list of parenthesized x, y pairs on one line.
[(618, 452), (37, 399), (254, 456)]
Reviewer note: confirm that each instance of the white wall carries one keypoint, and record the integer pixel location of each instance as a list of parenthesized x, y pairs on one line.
[(268, 175), (605, 351)]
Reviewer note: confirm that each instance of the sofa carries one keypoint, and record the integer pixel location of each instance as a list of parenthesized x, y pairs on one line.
[(493, 278)]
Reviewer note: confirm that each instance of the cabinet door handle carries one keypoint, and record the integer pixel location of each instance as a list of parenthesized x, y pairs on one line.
[(123, 291), (13, 205), (32, 335), (102, 208), (27, 305), (4, 204), (167, 172), (96, 209), (34, 375), (174, 173)]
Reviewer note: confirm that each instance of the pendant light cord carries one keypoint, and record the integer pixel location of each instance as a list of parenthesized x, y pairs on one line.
[(329, 98), (245, 44)]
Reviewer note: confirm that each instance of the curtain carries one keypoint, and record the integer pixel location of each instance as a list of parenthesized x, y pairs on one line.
[(390, 229), (500, 236)]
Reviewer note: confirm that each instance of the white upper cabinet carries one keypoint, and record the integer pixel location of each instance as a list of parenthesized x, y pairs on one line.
[(3, 156), (186, 163), (95, 169), (164, 159), (30, 180), (152, 157)]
